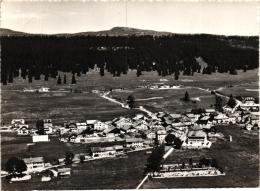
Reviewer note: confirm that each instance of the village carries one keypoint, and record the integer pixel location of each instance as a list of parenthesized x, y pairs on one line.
[(123, 135)]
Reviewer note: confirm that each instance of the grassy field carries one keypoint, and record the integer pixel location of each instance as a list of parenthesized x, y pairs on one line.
[(169, 100), (60, 107), (239, 160)]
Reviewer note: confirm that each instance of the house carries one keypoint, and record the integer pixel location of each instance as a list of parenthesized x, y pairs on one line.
[(221, 119), (209, 111), (40, 138), (72, 127), (34, 164), (64, 171), (204, 122), (81, 127), (249, 104), (43, 89), (227, 109), (113, 130), (151, 135), (254, 118), (100, 126), (196, 139), (193, 117), (121, 122), (161, 134), (23, 130), (134, 142), (16, 122), (48, 126)]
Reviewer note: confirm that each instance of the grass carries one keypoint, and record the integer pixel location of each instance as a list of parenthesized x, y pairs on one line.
[(239, 159), (59, 107)]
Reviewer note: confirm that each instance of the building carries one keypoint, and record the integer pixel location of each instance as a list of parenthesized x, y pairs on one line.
[(48, 126), (161, 134), (249, 104), (81, 127), (34, 164), (16, 122), (102, 152), (64, 172), (196, 139), (23, 130), (40, 138), (134, 142), (43, 89), (221, 119)]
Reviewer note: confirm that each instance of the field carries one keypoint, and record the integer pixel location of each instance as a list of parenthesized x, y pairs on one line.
[(239, 160), (63, 106)]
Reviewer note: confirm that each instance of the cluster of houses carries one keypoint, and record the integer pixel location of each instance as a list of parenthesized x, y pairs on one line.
[(142, 131)]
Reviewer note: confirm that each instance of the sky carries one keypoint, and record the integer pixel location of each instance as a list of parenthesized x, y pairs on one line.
[(177, 17)]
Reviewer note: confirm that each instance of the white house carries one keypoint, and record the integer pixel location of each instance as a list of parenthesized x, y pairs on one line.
[(64, 171), (196, 139), (34, 164), (23, 130), (81, 127), (100, 126)]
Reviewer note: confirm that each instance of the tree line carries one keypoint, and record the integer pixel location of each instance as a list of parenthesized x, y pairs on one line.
[(174, 55)]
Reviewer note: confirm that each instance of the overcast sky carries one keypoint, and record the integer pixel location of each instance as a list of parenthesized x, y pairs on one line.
[(177, 17)]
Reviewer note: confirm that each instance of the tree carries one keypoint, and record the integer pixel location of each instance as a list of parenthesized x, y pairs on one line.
[(73, 80), (15, 165), (40, 127), (186, 97), (155, 160), (177, 143), (59, 80), (68, 158), (219, 103), (231, 102), (64, 79), (81, 158), (131, 101), (169, 139), (102, 71)]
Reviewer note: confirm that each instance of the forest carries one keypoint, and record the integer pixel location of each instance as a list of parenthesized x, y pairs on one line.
[(171, 54)]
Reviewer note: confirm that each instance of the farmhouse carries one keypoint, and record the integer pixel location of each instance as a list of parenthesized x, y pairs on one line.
[(196, 139), (34, 164), (23, 130)]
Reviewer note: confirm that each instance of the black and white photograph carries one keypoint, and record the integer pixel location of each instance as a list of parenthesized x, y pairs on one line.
[(129, 94)]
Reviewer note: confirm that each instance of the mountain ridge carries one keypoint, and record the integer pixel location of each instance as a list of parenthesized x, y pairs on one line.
[(115, 31)]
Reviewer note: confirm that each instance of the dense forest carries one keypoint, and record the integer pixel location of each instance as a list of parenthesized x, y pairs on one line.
[(168, 54)]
